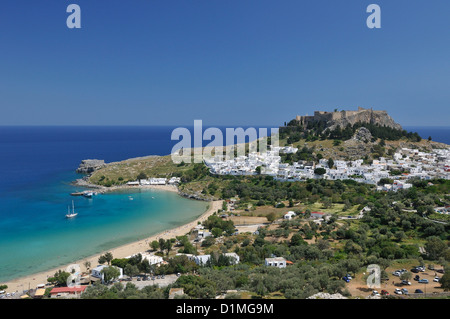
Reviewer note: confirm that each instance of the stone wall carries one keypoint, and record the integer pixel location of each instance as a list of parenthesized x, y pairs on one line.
[(343, 118)]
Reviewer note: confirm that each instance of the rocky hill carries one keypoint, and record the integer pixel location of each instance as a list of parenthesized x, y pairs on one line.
[(88, 166), (331, 120)]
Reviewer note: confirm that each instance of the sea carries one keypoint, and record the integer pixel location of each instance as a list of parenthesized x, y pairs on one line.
[(37, 168), (437, 133)]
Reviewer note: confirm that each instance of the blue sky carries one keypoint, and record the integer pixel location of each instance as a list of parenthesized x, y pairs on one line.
[(227, 62)]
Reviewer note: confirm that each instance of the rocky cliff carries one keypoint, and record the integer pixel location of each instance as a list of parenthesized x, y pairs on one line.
[(90, 165), (380, 118)]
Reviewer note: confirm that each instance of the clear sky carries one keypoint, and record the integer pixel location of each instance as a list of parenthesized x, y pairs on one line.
[(227, 62)]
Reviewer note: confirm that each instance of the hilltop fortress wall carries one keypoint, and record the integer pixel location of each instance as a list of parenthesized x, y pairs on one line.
[(343, 118)]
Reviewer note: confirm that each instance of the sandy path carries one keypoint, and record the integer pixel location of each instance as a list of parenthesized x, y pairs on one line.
[(31, 281)]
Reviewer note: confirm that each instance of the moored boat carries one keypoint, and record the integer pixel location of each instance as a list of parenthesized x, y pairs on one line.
[(71, 214)]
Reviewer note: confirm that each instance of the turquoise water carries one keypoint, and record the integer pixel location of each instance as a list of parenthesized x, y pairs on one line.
[(37, 165), (39, 237)]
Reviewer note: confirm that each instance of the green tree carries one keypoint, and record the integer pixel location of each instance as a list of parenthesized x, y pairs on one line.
[(271, 217), (60, 278), (102, 259), (297, 240), (445, 281), (216, 232), (106, 258), (131, 270), (168, 246), (109, 257), (162, 244), (141, 175), (110, 273), (435, 247), (406, 276), (330, 163), (208, 241), (320, 171), (154, 245)]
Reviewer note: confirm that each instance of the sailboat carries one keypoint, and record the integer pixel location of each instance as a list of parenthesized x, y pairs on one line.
[(69, 214)]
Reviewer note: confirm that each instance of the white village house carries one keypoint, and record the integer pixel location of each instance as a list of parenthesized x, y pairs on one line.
[(279, 262), (96, 273), (289, 215), (414, 163)]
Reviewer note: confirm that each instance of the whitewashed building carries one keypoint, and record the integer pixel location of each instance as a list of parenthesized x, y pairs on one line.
[(278, 262)]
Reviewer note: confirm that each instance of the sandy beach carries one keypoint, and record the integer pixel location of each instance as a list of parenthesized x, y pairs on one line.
[(31, 281)]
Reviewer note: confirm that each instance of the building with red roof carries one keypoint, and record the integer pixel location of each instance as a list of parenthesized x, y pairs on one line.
[(67, 291)]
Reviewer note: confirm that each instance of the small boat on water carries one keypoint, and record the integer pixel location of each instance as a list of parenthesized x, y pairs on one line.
[(89, 194), (71, 214)]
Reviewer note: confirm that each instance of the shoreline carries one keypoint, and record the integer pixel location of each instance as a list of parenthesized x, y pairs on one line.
[(31, 281), (103, 189)]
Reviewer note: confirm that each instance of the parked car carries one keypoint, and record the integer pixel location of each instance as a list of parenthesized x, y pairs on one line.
[(415, 270), (436, 279), (423, 281), (375, 293), (396, 273), (404, 291), (398, 291), (349, 277), (417, 278), (406, 282), (345, 279), (431, 267), (384, 293), (441, 271), (418, 291)]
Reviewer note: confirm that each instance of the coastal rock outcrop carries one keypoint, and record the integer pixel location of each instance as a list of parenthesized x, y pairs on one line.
[(196, 196), (88, 166)]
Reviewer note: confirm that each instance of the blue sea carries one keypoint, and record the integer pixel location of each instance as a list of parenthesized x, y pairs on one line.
[(438, 133), (37, 166)]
